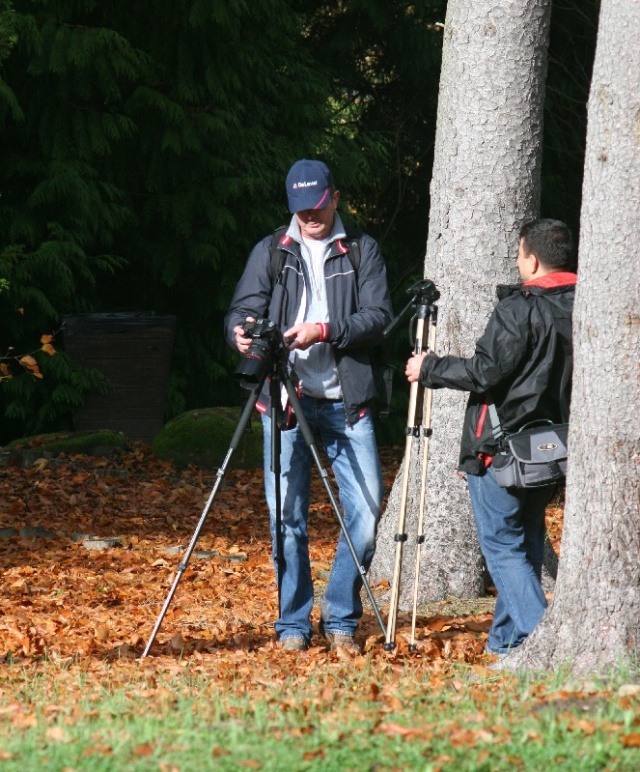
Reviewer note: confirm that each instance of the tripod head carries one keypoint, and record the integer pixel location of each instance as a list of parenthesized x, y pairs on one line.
[(423, 295), (423, 292)]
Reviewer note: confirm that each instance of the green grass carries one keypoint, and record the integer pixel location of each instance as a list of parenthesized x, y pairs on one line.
[(340, 718)]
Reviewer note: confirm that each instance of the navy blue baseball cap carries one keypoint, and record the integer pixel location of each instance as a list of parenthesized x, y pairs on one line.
[(309, 185)]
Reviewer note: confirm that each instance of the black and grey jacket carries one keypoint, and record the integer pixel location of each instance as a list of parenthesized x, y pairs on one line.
[(523, 363), (359, 305)]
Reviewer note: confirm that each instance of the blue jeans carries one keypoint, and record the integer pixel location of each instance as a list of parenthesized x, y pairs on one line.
[(511, 532), (353, 455)]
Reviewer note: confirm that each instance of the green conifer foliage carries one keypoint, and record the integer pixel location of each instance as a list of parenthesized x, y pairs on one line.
[(7, 34), (142, 151), (143, 148)]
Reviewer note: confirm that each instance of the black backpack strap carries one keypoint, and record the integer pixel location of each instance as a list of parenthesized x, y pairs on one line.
[(276, 255), (353, 245)]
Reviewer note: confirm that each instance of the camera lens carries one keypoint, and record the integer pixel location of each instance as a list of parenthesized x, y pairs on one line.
[(255, 363)]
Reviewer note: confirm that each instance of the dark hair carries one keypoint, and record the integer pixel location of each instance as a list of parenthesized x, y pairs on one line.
[(551, 242)]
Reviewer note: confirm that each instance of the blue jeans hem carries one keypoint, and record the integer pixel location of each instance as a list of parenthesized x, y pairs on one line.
[(298, 636)]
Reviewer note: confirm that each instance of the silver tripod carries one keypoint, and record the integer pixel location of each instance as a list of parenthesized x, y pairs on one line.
[(424, 294)]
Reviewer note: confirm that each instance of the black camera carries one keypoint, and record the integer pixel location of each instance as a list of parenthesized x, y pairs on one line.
[(267, 343)]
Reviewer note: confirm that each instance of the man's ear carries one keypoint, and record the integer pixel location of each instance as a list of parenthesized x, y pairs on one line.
[(535, 265)]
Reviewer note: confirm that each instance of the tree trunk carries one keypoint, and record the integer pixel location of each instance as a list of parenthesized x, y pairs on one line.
[(594, 619), (486, 183)]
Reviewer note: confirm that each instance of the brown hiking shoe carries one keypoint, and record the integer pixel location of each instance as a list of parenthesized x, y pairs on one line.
[(344, 641), (293, 643)]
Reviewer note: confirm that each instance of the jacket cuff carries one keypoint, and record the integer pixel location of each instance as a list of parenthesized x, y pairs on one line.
[(324, 331), (426, 368)]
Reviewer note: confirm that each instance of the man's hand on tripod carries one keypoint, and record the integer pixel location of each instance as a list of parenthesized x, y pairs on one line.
[(412, 370), (303, 335)]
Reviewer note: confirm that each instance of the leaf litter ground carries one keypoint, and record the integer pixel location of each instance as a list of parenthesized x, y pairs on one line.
[(92, 610), (77, 615), (67, 599)]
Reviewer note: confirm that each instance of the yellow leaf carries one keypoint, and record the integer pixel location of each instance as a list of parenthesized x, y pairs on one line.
[(57, 734), (30, 364), (102, 633), (177, 643), (48, 349), (391, 729), (23, 721), (146, 749)]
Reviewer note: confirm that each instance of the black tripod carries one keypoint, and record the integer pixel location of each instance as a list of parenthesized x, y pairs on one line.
[(272, 356)]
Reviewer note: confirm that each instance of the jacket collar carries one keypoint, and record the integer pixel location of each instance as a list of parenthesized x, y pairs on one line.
[(559, 280), (552, 280), (337, 234)]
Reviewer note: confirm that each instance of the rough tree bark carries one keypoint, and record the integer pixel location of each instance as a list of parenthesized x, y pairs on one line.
[(594, 620), (486, 183)]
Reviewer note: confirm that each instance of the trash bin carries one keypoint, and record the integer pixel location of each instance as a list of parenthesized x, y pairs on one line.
[(133, 350)]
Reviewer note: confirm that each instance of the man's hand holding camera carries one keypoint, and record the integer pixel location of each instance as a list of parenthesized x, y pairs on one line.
[(243, 341), (300, 336)]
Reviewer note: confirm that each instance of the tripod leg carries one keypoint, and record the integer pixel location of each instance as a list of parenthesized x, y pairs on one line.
[(401, 536), (412, 431), (235, 441), (308, 437), (426, 425), (276, 447)]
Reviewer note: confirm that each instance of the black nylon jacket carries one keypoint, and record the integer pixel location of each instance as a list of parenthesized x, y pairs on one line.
[(359, 305), (523, 362)]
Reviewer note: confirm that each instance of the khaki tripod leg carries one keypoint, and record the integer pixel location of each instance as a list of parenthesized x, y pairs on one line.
[(426, 427), (401, 536)]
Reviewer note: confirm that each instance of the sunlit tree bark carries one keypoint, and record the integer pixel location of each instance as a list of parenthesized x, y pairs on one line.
[(486, 183), (594, 619)]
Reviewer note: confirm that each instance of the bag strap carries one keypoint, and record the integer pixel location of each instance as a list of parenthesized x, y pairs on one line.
[(354, 253), (277, 256), (496, 427)]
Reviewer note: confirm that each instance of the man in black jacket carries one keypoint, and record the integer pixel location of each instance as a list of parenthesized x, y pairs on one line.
[(331, 311), (523, 364)]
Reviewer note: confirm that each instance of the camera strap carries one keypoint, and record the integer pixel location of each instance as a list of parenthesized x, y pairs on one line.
[(286, 416)]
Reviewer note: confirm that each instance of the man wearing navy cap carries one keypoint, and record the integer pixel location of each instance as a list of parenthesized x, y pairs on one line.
[(332, 309)]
